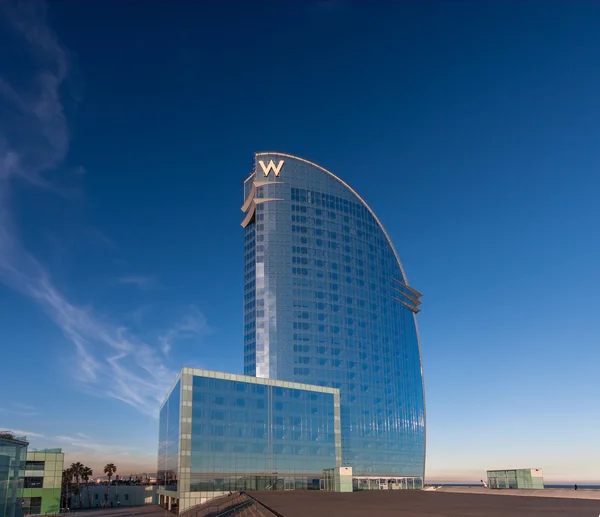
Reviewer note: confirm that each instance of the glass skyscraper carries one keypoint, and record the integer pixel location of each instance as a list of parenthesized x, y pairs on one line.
[(327, 302), (332, 397)]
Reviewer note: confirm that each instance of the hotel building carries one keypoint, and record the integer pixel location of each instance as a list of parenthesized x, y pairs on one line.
[(327, 306)]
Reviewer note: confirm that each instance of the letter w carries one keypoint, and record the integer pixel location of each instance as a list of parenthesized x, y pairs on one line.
[(271, 167)]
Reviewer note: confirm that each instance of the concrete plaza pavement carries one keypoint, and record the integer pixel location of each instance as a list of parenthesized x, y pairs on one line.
[(467, 502), (561, 493), (409, 503)]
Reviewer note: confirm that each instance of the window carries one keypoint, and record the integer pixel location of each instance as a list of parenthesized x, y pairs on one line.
[(32, 505), (126, 497), (33, 482), (34, 465)]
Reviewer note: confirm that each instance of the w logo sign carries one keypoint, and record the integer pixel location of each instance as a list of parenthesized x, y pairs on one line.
[(271, 167)]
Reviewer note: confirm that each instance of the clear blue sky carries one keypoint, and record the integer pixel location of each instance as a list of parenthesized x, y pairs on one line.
[(471, 128)]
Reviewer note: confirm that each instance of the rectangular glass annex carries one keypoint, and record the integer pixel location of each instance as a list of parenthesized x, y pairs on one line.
[(238, 432)]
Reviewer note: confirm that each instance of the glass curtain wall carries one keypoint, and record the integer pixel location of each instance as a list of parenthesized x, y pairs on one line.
[(13, 454), (251, 436), (331, 307), (168, 442)]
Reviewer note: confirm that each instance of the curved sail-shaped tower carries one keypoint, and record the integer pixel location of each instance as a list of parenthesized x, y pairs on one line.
[(327, 302)]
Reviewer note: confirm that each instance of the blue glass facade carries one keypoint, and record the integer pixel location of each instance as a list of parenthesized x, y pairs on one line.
[(331, 354), (248, 433), (222, 432), (13, 455), (168, 440), (327, 303)]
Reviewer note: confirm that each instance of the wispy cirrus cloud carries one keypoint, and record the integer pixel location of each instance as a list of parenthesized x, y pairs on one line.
[(95, 453), (21, 405), (142, 282), (24, 409), (20, 410), (34, 139), (20, 432), (192, 325), (79, 441)]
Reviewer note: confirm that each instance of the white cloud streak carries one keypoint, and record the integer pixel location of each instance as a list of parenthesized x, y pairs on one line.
[(21, 410), (20, 405), (191, 325), (34, 138), (27, 434), (142, 282)]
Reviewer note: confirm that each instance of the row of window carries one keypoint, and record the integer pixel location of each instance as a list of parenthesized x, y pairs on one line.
[(220, 484), (35, 465), (202, 384), (367, 223), (31, 505), (33, 482)]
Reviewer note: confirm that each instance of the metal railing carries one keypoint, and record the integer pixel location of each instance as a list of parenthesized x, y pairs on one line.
[(218, 507), (229, 507), (234, 509), (266, 511)]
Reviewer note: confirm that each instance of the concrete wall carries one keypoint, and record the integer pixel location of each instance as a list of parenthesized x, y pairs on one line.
[(125, 495)]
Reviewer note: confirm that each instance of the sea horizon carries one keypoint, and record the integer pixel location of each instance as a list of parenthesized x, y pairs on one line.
[(580, 486)]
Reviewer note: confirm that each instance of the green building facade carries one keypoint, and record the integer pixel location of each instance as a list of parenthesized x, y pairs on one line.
[(42, 482)]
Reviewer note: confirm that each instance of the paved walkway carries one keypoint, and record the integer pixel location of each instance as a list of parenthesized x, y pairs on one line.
[(417, 503), (562, 493)]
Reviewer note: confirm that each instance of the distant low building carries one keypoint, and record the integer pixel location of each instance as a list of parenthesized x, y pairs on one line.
[(516, 478), (42, 482), (119, 495)]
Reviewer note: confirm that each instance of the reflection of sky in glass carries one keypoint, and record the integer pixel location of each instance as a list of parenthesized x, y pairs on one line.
[(168, 439), (326, 311), (245, 428)]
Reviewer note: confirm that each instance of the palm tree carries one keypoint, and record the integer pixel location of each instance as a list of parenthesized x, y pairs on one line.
[(86, 474), (109, 470), (67, 480), (77, 492), (77, 469)]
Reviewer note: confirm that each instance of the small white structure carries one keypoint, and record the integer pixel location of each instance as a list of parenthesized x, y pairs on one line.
[(338, 479)]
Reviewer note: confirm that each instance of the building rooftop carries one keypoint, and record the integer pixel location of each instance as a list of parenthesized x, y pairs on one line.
[(419, 503), (11, 437)]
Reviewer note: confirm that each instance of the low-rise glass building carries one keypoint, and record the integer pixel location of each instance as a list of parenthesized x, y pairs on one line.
[(221, 432), (13, 453), (42, 482), (516, 478)]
